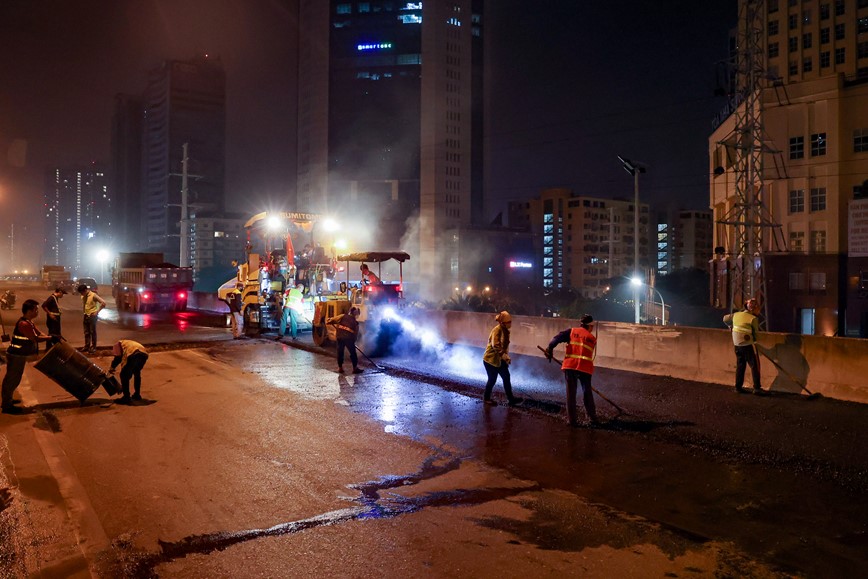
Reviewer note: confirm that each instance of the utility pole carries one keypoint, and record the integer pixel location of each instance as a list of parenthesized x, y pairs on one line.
[(185, 222), (184, 249), (12, 247), (634, 169)]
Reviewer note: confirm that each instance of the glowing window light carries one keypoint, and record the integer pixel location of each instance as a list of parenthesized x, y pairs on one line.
[(374, 46)]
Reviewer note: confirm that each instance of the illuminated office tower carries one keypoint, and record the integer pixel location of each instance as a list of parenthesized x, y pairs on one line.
[(390, 125)]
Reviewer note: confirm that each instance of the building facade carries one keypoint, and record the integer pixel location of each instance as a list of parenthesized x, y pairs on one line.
[(684, 240), (216, 240), (185, 102), (583, 242), (390, 124), (126, 172), (814, 158), (78, 209)]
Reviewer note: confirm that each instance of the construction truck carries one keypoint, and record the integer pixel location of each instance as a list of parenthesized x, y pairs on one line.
[(377, 303), (144, 282), (272, 264), (54, 276)]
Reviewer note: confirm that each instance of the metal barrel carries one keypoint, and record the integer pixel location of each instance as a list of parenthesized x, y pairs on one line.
[(72, 370)]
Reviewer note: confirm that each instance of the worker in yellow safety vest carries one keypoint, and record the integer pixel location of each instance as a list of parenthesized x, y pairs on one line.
[(745, 330), (578, 366)]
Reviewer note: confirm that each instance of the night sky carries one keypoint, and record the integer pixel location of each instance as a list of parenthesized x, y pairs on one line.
[(574, 84)]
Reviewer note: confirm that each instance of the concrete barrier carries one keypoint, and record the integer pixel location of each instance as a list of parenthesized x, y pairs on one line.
[(834, 367)]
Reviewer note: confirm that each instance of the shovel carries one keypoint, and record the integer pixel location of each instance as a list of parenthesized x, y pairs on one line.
[(618, 408), (802, 385)]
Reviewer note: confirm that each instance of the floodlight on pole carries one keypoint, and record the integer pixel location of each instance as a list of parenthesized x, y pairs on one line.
[(637, 282), (634, 169)]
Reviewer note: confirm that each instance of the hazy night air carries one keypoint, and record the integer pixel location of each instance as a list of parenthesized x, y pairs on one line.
[(571, 86)]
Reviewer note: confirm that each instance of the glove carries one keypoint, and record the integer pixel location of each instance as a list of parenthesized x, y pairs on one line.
[(549, 354), (111, 372)]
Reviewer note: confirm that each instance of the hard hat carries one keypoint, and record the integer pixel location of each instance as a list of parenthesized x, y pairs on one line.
[(503, 317), (586, 320)]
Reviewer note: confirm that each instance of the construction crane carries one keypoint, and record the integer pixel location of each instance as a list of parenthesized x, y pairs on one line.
[(748, 221)]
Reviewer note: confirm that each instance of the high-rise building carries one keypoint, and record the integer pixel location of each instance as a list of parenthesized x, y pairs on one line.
[(390, 124), (126, 172), (684, 240), (583, 242), (78, 208), (185, 102), (812, 78)]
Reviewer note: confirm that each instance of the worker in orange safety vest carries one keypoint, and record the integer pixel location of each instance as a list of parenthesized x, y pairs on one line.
[(578, 366)]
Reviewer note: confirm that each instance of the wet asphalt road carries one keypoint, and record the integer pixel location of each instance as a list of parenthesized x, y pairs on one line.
[(781, 478)]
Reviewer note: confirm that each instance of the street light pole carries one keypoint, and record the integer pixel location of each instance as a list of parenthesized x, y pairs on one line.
[(634, 170)]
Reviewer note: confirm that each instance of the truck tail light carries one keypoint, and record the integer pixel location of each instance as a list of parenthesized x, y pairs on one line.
[(146, 296), (181, 295)]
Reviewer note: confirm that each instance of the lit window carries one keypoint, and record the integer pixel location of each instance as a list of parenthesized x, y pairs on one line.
[(344, 9), (797, 241)]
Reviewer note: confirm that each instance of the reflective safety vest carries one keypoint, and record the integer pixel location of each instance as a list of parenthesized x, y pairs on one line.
[(21, 345), (580, 351), (743, 331)]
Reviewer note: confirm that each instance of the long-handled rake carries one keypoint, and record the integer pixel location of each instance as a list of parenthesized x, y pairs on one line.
[(377, 366), (618, 408), (802, 385)]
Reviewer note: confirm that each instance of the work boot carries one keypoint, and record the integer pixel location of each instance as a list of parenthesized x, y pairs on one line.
[(489, 401), (137, 396), (515, 401), (741, 391), (340, 369), (357, 370), (124, 400), (760, 392)]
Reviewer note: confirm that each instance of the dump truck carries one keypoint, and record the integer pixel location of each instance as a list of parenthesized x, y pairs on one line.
[(54, 276), (144, 282)]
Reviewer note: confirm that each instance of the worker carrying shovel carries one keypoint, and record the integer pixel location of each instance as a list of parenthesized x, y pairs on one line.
[(578, 366)]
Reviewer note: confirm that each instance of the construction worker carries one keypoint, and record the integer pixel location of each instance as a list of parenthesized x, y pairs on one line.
[(51, 307), (347, 330), (745, 331), (368, 277), (91, 305), (24, 346), (234, 301), (578, 366), (292, 306), (496, 358), (131, 356)]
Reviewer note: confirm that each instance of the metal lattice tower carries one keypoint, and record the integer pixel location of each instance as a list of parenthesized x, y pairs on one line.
[(748, 218)]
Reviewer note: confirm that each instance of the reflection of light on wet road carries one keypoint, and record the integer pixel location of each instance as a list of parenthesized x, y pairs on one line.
[(389, 399)]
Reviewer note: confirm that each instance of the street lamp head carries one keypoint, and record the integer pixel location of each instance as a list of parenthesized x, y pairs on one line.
[(630, 166), (102, 255), (636, 281)]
